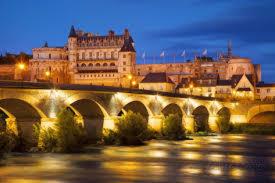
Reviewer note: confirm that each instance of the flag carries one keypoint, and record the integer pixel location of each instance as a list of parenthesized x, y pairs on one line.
[(162, 54), (143, 55), (204, 52), (183, 54)]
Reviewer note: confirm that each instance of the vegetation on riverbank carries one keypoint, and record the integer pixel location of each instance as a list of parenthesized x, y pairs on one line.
[(132, 129), (253, 128), (66, 136)]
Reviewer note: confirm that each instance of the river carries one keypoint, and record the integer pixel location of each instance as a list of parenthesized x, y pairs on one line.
[(224, 158)]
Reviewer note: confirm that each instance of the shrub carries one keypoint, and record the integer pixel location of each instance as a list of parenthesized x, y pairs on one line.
[(70, 135), (8, 141), (254, 128), (47, 140), (131, 129), (109, 137), (172, 128), (223, 124), (66, 136)]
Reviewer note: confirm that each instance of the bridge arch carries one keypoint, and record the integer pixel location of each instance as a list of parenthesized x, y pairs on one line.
[(201, 116), (22, 115), (263, 109), (137, 107), (172, 108), (92, 114)]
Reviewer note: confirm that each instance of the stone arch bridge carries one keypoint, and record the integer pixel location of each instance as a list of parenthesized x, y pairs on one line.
[(25, 104)]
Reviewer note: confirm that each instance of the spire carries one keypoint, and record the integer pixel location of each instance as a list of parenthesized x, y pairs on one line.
[(127, 46), (72, 32), (229, 49), (46, 45)]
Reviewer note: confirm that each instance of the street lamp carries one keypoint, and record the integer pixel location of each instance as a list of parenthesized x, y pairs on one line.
[(134, 83), (130, 77), (48, 74), (21, 67)]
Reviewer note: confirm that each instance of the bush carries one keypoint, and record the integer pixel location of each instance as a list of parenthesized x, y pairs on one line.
[(254, 128), (66, 136), (131, 129), (70, 135), (8, 142), (172, 128), (110, 137), (48, 140), (223, 125)]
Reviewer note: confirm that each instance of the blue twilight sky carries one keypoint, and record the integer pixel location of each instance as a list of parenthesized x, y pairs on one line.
[(156, 25)]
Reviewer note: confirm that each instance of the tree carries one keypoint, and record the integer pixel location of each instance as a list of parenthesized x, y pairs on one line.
[(172, 128)]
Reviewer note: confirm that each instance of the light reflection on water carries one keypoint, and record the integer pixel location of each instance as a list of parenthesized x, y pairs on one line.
[(223, 157)]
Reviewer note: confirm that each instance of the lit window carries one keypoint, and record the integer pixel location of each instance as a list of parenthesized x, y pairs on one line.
[(124, 56)]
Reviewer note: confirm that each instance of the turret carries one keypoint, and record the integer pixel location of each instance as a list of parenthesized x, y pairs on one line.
[(72, 44), (127, 60)]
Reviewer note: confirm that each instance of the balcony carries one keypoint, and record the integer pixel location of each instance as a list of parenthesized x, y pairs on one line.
[(95, 69)]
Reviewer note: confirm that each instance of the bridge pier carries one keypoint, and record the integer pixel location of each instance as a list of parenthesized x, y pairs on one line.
[(238, 118), (155, 122), (212, 123), (109, 122), (189, 123)]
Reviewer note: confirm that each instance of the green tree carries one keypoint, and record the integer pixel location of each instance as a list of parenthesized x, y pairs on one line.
[(172, 128), (131, 129)]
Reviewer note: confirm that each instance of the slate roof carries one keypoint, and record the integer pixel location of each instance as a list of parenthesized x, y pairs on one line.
[(128, 46), (236, 78), (159, 77), (72, 32), (224, 83)]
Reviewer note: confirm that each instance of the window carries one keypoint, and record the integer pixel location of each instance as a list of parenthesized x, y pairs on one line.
[(37, 55), (90, 54), (83, 65), (124, 55), (124, 69), (50, 56), (90, 65), (105, 65), (112, 54), (112, 64), (77, 56), (83, 56), (97, 64), (97, 55), (105, 55), (60, 56), (124, 63), (268, 90)]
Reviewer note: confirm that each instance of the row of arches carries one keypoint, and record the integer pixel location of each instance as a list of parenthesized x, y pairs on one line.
[(93, 114), (96, 65)]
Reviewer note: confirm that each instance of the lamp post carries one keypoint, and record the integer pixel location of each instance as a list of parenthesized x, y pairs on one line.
[(134, 83)]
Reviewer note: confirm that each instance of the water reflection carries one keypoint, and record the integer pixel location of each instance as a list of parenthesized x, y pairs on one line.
[(210, 159)]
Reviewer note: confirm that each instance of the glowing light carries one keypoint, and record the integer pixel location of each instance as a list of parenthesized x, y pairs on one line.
[(236, 158), (236, 172), (52, 114), (191, 155), (216, 157), (130, 77), (21, 66), (215, 171), (47, 73), (157, 154), (134, 83), (191, 170)]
